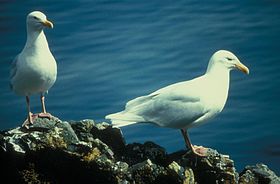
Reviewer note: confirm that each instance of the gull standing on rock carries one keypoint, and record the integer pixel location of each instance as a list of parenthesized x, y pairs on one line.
[(34, 70), (185, 104)]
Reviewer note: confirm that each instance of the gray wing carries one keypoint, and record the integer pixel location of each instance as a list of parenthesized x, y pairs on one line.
[(177, 103), (138, 101), (172, 92), (164, 110), (13, 70), (175, 106)]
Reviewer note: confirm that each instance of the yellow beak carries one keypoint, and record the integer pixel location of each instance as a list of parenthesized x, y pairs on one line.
[(48, 24), (242, 67)]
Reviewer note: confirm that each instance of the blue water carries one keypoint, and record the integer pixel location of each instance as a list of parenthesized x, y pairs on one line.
[(109, 52)]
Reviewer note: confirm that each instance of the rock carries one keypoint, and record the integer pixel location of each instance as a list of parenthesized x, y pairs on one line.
[(55, 151), (214, 168), (43, 133), (136, 153), (180, 174), (147, 172), (176, 169), (56, 155), (87, 130), (259, 173)]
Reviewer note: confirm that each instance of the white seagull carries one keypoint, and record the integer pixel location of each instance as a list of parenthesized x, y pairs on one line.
[(185, 104), (34, 70)]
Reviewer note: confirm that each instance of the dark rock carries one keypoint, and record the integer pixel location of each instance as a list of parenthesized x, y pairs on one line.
[(56, 155), (136, 153), (83, 129), (87, 130), (147, 172), (54, 151), (214, 168), (259, 173)]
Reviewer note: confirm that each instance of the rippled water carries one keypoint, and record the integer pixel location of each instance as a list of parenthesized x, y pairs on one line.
[(109, 52)]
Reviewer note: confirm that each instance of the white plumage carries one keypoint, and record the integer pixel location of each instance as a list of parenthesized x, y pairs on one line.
[(34, 70), (185, 104)]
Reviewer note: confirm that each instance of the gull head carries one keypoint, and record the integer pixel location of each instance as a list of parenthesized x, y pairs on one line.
[(37, 20), (228, 60)]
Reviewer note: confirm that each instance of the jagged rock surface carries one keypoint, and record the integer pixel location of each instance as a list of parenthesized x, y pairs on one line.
[(55, 151), (258, 173)]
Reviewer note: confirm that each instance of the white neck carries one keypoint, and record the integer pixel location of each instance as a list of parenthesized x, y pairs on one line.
[(219, 76), (218, 72), (35, 38)]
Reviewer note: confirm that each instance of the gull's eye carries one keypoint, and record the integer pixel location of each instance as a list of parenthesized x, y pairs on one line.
[(36, 18), (230, 59)]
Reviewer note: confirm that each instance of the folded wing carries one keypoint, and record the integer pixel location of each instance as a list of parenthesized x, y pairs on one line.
[(173, 106)]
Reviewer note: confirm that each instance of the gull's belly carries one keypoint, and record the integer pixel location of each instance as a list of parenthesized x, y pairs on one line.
[(35, 76)]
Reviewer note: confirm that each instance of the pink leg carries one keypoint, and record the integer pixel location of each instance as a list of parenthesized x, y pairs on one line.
[(197, 150), (30, 116), (44, 113), (43, 103)]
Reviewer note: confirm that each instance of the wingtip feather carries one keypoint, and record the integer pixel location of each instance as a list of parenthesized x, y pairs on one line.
[(119, 120)]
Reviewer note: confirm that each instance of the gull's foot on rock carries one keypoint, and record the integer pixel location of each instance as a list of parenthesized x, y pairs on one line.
[(200, 150), (29, 120), (45, 115)]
